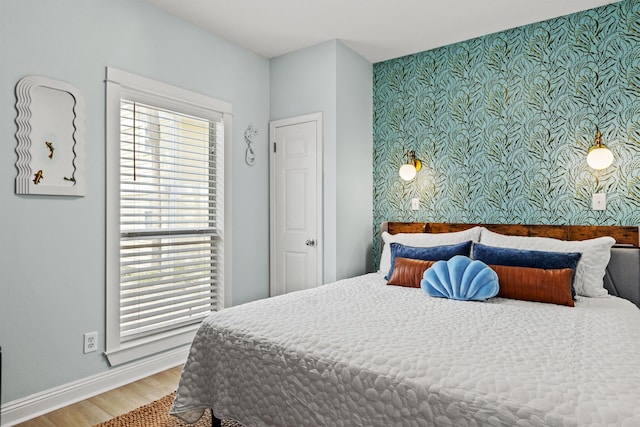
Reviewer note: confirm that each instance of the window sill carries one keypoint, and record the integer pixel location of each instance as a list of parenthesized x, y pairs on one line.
[(151, 345)]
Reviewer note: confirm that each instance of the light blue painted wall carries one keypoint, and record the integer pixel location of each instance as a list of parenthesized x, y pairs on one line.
[(52, 255), (354, 163), (304, 82), (503, 123), (333, 79)]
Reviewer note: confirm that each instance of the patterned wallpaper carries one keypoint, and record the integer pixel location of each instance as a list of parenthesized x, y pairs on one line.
[(502, 124)]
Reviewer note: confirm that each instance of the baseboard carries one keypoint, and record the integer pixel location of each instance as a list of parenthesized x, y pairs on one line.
[(24, 409)]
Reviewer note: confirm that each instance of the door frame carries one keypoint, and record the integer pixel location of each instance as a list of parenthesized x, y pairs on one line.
[(273, 125)]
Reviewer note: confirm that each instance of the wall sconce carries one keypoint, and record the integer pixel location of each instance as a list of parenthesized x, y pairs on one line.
[(408, 171), (599, 156)]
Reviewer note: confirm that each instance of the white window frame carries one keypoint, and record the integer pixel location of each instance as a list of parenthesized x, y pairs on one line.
[(119, 83)]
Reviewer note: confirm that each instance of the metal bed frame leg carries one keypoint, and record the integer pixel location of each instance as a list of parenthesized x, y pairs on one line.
[(215, 421)]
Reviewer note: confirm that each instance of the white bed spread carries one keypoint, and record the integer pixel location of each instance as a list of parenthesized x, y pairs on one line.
[(361, 353)]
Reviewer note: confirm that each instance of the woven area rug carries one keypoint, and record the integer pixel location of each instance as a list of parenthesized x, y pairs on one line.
[(156, 414)]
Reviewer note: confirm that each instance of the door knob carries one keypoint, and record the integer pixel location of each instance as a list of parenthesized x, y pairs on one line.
[(310, 242)]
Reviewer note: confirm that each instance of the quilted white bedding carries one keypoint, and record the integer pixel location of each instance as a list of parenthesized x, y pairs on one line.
[(361, 353)]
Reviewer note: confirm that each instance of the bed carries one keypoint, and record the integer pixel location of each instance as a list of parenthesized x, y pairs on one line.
[(361, 352)]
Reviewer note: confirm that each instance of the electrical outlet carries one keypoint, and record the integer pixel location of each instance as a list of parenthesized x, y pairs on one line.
[(90, 342), (599, 202), (415, 204)]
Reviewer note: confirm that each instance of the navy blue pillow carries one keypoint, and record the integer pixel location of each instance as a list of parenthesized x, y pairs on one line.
[(491, 255), (434, 253)]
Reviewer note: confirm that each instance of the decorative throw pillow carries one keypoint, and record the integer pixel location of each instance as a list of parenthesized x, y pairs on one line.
[(408, 272), (435, 253), (491, 255), (460, 278), (423, 240), (535, 284), (591, 268)]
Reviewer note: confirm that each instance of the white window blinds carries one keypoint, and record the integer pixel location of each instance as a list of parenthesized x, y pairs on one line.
[(171, 216)]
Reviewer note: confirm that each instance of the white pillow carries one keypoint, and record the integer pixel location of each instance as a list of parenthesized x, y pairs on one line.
[(591, 267), (423, 240)]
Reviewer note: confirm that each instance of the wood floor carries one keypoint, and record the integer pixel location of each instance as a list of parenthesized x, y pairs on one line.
[(105, 406)]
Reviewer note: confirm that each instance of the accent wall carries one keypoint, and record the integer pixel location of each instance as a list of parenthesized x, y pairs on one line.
[(502, 124)]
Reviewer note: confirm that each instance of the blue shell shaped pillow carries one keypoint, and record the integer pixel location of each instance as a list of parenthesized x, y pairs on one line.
[(460, 278)]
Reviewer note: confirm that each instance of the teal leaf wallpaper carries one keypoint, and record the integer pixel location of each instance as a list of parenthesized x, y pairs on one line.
[(502, 124)]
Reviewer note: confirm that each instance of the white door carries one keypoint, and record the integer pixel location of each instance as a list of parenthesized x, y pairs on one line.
[(296, 203)]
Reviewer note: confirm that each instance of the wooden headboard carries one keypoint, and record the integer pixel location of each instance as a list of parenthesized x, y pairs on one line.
[(624, 235), (622, 277)]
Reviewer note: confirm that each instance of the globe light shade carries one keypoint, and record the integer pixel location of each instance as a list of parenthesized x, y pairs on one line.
[(408, 172), (599, 157)]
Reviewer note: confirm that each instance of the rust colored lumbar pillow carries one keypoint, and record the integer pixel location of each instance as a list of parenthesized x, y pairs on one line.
[(535, 284), (408, 272)]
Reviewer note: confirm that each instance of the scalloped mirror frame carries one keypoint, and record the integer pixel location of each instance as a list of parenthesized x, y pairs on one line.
[(51, 117)]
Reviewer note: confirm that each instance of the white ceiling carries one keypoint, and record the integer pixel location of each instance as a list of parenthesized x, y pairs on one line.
[(376, 29)]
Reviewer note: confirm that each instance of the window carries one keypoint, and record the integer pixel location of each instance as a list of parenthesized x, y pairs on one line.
[(165, 214)]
